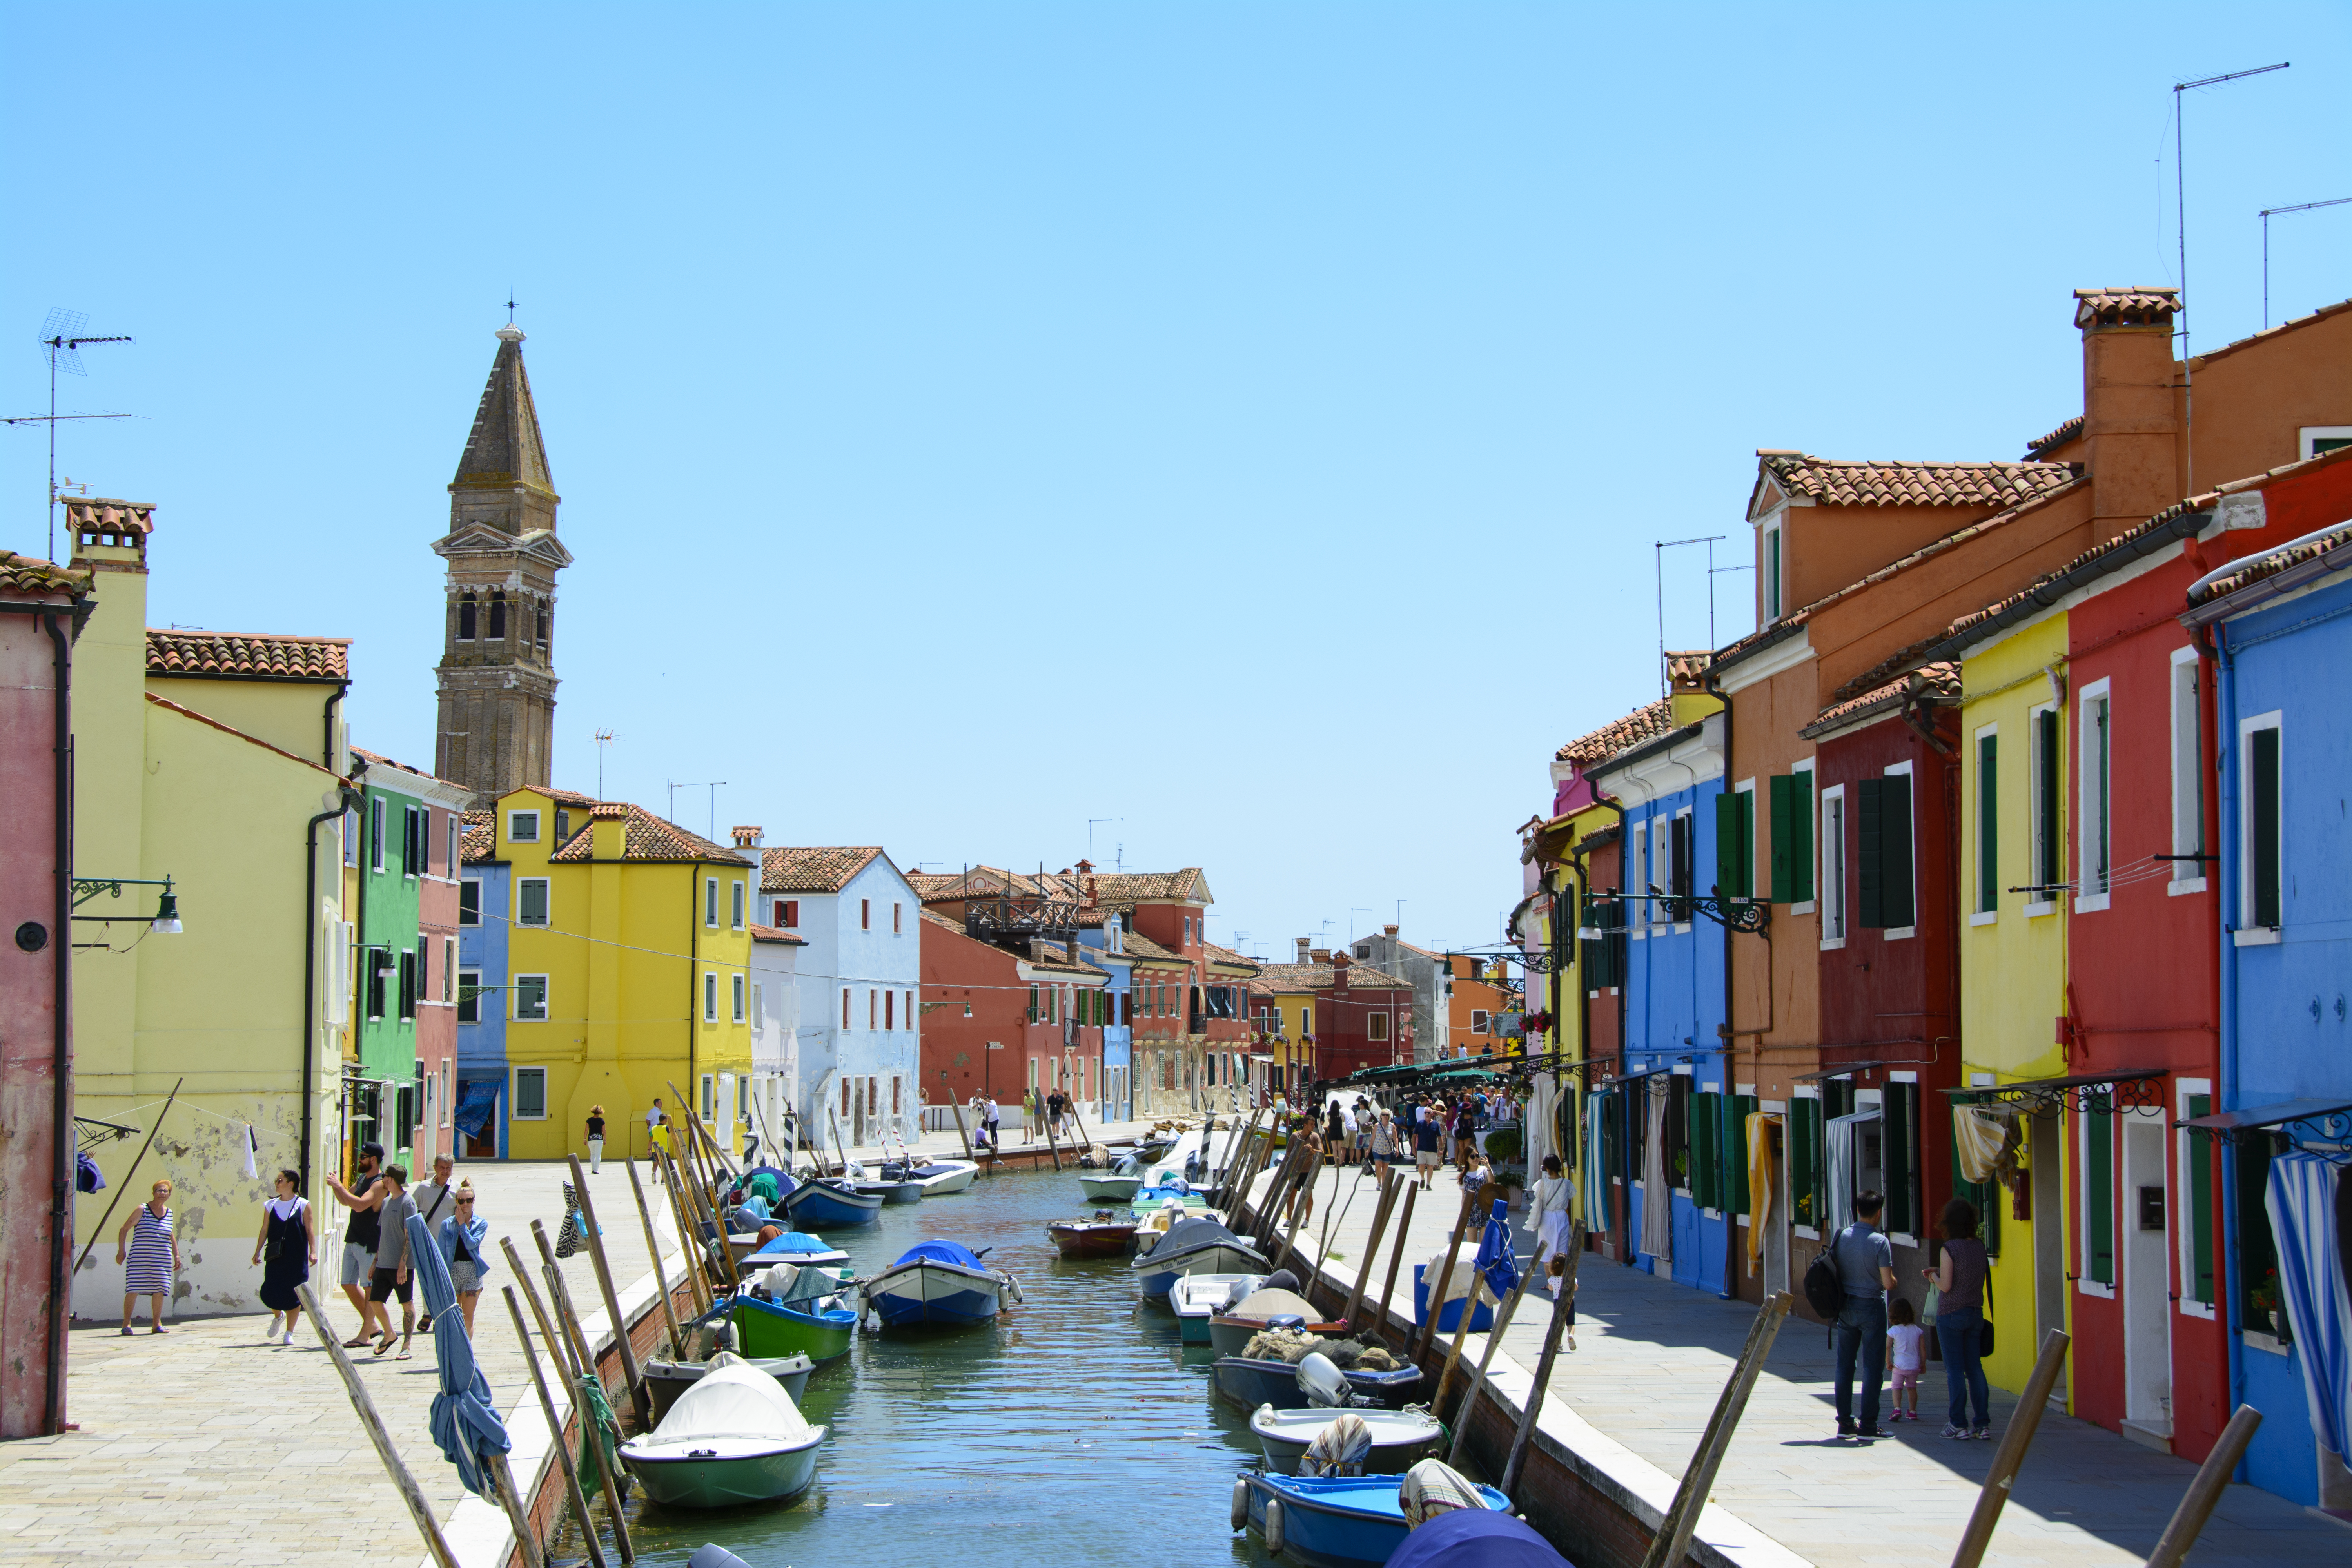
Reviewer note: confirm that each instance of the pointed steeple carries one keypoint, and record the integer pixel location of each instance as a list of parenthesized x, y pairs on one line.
[(504, 447)]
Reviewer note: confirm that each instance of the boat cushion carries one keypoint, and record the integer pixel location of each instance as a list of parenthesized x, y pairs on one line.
[(1340, 1449), (1433, 1487)]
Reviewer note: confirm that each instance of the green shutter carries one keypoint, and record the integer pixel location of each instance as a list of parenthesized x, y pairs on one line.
[(2099, 1197), (1727, 845), (1706, 1128), (1804, 1160), (1784, 884), (1868, 869), (1896, 1138), (2262, 828), (2201, 1205), (1988, 823), (1735, 1148), (2047, 859), (1800, 836), (2257, 1270), (1895, 904)]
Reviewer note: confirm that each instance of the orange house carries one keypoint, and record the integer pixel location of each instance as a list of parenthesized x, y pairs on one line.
[(1477, 997)]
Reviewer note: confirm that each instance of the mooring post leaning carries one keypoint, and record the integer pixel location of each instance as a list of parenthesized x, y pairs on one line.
[(2009, 1458), (1562, 1305), (555, 1434), (410, 1492), (630, 1372), (1444, 1280), (2198, 1503), (1671, 1543)]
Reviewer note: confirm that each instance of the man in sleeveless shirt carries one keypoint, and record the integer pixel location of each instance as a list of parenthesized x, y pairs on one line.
[(360, 1236)]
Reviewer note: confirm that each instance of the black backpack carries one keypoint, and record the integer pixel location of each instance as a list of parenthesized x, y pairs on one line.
[(1824, 1285)]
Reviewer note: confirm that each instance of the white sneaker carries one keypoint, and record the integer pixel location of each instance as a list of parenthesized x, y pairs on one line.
[(288, 1339)]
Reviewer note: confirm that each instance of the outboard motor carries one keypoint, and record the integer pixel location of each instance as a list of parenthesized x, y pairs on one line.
[(1325, 1385), (715, 1556)]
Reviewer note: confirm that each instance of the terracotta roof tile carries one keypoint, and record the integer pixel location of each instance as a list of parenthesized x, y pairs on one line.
[(1217, 954), (1319, 977), (379, 758), (2254, 569), (2050, 440), (2145, 307), (814, 870), (1056, 955), (1116, 889), (1929, 682), (481, 835), (30, 575), (108, 516), (644, 837), (249, 654), (777, 935), (1138, 945), (1835, 483), (1641, 724)]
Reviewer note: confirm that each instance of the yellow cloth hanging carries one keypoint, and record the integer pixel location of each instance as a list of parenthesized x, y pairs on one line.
[(1759, 1187), (1976, 1136)]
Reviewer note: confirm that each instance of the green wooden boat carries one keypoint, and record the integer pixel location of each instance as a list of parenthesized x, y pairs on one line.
[(766, 1329)]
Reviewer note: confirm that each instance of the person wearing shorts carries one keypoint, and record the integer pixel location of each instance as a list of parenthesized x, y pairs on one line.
[(360, 1235), (1426, 1155), (391, 1276), (1905, 1358)]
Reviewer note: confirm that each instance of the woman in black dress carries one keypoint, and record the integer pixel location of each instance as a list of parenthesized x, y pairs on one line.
[(288, 1243)]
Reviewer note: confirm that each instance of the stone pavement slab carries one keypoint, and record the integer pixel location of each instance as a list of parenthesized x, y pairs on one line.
[(1652, 1357)]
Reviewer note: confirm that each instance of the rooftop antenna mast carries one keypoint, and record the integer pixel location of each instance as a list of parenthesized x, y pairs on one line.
[(2300, 207), (1658, 571), (604, 739), (1090, 834), (2180, 208), (61, 342)]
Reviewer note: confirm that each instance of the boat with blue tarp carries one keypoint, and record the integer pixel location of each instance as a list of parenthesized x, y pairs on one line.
[(941, 1283)]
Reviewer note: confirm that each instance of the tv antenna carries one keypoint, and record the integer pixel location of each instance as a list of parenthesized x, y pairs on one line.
[(2180, 212), (604, 739), (1090, 834), (1658, 571), (61, 342), (714, 786), (2265, 214)]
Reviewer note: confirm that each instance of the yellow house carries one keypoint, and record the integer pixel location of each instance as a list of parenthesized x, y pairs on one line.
[(214, 760), (627, 972), (2014, 965)]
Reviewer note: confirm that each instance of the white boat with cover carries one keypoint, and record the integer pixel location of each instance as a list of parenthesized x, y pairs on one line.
[(734, 1437)]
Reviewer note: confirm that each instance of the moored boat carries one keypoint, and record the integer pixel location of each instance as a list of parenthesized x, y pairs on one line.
[(1352, 1522), (1091, 1237), (1112, 1189), (809, 1328), (666, 1380), (1401, 1439), (795, 1247), (937, 1178), (832, 1201), (734, 1437), (1194, 1245), (938, 1283), (1232, 1330), (1250, 1384), (1196, 1297)]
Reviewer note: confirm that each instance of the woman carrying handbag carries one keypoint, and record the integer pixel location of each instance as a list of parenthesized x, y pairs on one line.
[(1963, 1332)]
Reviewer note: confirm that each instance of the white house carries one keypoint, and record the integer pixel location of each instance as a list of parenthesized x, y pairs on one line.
[(776, 1038), (858, 975)]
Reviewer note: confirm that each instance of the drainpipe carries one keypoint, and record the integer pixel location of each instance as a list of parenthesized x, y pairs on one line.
[(2225, 710), (346, 798), (327, 722), (1730, 1041), (53, 1400)]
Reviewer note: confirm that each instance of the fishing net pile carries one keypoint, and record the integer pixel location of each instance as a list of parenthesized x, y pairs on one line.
[(1292, 1346)]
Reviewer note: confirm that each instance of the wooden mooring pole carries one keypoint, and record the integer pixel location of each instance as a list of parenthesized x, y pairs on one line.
[(2009, 1458), (555, 1435), (1444, 1280), (2204, 1492), (630, 1372), (410, 1492), (652, 1250), (1396, 1257), (1561, 1305), (1671, 1543)]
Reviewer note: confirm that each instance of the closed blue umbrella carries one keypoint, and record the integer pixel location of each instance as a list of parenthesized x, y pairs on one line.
[(465, 1422), (1495, 1261)]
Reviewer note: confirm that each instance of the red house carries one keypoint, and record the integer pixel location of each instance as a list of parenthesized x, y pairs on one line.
[(1003, 1022)]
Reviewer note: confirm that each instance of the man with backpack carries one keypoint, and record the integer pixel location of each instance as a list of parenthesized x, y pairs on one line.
[(1847, 1282)]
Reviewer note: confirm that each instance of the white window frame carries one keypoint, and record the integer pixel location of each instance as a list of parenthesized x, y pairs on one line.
[(514, 1102), (2310, 436), (1772, 569), (1479, 1018), (2083, 1280), (2092, 830), (710, 903), (710, 1099), (2040, 859), (475, 883), (2177, 1210), (2184, 699), (470, 978), (759, 1006), (1984, 909), (736, 984), (1682, 926), (1829, 890), (2246, 935), (1812, 1091), (739, 907), (1911, 836), (515, 989), (515, 820), (1637, 881), (1813, 905), (448, 971), (548, 883), (710, 996)]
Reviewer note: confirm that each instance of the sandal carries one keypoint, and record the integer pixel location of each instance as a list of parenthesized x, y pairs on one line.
[(128, 1330), (356, 1341), (403, 1353), (383, 1345)]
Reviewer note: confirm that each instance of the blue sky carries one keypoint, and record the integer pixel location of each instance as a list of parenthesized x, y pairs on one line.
[(1249, 423)]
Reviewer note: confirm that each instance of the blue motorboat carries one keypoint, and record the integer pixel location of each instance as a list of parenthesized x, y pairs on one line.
[(831, 1201), (1251, 1383), (794, 1247), (940, 1283), (1352, 1522)]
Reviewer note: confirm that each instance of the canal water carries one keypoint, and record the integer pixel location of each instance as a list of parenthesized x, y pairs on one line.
[(1076, 1428)]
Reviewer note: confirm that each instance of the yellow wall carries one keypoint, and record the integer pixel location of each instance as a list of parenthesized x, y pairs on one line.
[(219, 1004), (2013, 968), (289, 714), (625, 952)]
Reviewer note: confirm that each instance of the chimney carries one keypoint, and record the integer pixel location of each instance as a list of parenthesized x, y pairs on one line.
[(1339, 968), (1318, 955), (748, 838), (1390, 931), (2131, 414), (1303, 956)]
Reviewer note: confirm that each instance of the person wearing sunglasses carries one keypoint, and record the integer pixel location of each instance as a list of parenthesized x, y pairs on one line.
[(465, 1246)]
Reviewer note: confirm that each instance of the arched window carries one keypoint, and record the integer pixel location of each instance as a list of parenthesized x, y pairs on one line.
[(499, 616), (466, 617)]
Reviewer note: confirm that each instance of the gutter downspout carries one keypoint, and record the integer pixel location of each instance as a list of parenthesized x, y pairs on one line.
[(53, 1400), (2225, 707), (346, 797), (1725, 1033), (327, 722)]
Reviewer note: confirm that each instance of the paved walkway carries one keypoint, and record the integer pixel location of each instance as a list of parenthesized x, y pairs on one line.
[(208, 1445), (1652, 1358)]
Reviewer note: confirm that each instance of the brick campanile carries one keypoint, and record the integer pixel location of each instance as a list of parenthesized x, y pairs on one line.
[(497, 678)]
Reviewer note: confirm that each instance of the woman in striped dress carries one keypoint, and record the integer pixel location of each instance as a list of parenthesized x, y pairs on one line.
[(149, 1248)]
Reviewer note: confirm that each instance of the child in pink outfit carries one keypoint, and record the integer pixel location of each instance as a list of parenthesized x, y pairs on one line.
[(1904, 1357)]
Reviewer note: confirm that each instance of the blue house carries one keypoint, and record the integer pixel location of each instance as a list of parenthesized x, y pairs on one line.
[(481, 1018), (1102, 944), (2279, 628), (1664, 1109)]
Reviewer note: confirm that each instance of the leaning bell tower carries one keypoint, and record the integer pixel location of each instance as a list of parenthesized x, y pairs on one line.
[(497, 675)]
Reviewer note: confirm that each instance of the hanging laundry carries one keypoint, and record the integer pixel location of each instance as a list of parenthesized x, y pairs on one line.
[(252, 1147), (88, 1178)]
